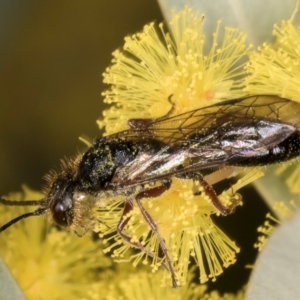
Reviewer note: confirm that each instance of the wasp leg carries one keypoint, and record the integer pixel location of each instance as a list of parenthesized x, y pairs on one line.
[(155, 192), (127, 238), (144, 123), (210, 192)]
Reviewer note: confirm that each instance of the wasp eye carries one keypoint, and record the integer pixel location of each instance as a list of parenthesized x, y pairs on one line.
[(61, 213)]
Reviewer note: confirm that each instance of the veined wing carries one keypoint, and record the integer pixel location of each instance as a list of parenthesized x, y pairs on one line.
[(207, 119), (209, 137)]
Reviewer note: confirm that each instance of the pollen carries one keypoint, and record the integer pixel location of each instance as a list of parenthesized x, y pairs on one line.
[(184, 221), (283, 211), (274, 68), (293, 179), (56, 259)]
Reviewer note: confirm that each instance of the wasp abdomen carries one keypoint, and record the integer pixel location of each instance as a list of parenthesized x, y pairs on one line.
[(286, 150)]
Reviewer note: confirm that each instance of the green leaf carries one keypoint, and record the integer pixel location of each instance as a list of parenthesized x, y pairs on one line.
[(276, 272), (9, 290)]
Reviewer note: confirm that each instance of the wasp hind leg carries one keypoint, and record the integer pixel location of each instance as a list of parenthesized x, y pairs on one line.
[(210, 192)]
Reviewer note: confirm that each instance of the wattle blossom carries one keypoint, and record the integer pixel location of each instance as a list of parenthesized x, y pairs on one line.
[(48, 263), (152, 66), (155, 64)]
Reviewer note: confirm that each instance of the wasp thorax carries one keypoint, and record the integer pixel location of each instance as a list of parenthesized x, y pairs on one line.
[(99, 163)]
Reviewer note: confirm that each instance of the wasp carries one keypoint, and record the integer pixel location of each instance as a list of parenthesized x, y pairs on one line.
[(140, 162)]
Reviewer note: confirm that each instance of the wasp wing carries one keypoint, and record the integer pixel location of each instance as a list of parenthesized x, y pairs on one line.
[(208, 137)]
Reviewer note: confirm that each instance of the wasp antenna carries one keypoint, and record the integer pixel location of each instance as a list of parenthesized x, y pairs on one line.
[(37, 212), (22, 203)]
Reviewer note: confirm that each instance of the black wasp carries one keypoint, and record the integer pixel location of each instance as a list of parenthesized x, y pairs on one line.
[(141, 161)]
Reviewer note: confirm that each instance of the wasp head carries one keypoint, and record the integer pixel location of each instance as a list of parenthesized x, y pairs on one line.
[(69, 205), (61, 201)]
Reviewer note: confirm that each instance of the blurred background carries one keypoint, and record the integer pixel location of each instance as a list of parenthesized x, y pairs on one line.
[(52, 57)]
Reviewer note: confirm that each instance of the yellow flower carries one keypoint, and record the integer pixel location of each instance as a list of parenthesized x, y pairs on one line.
[(184, 221), (274, 68), (48, 263), (132, 284), (284, 211), (155, 64)]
